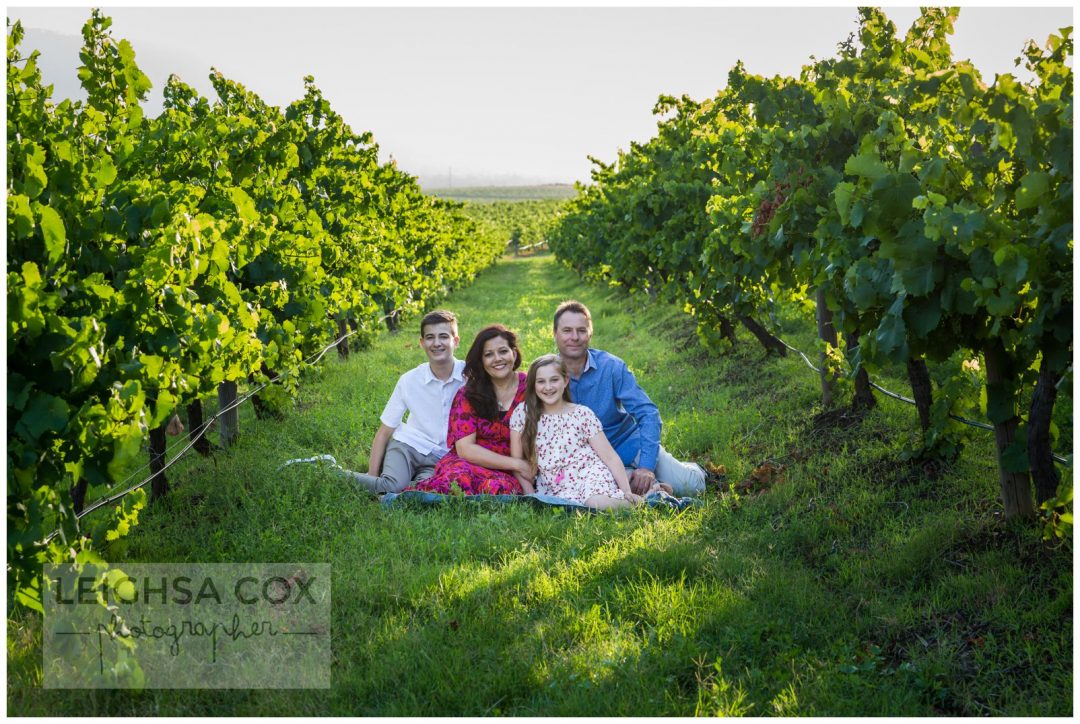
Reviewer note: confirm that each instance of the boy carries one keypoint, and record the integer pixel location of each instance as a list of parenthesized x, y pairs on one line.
[(404, 452)]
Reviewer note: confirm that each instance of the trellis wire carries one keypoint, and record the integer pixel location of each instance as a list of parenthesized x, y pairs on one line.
[(974, 423), (203, 429)]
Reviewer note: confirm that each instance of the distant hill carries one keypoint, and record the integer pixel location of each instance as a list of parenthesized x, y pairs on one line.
[(505, 193)]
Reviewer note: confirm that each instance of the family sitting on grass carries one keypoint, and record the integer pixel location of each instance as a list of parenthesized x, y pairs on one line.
[(577, 426)]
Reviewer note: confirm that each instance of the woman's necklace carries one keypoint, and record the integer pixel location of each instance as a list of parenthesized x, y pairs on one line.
[(505, 395)]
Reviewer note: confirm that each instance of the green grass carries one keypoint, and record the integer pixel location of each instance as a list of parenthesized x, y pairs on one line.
[(487, 194), (850, 584)]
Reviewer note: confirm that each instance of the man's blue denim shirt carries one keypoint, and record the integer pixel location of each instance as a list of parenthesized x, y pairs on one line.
[(631, 421)]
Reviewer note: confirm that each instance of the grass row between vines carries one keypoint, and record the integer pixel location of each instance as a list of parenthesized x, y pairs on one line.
[(829, 578)]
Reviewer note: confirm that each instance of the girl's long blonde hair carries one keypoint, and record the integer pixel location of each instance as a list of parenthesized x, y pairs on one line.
[(534, 406)]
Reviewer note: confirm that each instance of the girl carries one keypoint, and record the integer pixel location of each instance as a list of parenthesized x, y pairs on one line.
[(566, 442)]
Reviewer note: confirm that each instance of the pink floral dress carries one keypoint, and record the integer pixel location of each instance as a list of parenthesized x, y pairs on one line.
[(491, 434), (568, 465)]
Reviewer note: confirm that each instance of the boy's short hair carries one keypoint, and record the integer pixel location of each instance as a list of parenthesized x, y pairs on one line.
[(571, 305), (439, 316)]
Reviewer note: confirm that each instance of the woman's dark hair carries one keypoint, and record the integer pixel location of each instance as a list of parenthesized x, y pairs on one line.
[(479, 390)]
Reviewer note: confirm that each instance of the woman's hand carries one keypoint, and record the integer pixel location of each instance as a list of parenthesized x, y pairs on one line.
[(468, 449)]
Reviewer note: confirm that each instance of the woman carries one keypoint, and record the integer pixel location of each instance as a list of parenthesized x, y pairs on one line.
[(479, 460)]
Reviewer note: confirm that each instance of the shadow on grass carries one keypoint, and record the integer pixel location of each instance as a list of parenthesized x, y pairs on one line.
[(636, 633), (845, 588)]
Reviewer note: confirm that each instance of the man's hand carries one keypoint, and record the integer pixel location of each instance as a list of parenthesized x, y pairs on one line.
[(641, 480)]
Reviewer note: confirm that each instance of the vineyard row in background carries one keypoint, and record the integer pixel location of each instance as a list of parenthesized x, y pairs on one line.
[(921, 214), (153, 262)]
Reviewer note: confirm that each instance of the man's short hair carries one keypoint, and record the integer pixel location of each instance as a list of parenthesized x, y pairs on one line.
[(439, 316), (571, 305)]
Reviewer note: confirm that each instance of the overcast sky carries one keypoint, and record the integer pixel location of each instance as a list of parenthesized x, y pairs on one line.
[(496, 93)]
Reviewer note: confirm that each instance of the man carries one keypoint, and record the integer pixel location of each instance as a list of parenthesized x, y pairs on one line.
[(605, 384), (406, 452)]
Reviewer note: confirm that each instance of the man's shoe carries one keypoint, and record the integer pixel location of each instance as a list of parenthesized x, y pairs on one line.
[(715, 476)]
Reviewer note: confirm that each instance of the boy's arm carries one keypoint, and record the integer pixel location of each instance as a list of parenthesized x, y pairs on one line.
[(378, 449), (391, 417)]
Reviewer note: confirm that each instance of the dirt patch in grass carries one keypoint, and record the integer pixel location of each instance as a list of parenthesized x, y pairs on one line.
[(993, 534), (744, 369), (841, 418), (893, 471), (966, 643), (831, 431)]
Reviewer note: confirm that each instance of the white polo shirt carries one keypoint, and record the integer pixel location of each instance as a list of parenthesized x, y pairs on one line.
[(427, 399)]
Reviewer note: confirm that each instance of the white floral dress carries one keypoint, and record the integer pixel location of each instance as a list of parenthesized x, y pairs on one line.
[(569, 467)]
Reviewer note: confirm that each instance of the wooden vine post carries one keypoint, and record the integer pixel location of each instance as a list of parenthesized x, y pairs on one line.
[(826, 332), (864, 394), (343, 342), (159, 484), (229, 420), (196, 434), (921, 389), (1040, 456), (1001, 409), (769, 341)]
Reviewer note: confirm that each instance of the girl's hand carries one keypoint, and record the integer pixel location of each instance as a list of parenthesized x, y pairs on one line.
[(634, 498), (523, 469)]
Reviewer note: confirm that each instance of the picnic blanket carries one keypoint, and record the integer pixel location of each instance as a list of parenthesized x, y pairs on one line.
[(658, 499)]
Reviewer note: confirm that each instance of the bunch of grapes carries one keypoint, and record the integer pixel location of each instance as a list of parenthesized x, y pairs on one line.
[(767, 208)]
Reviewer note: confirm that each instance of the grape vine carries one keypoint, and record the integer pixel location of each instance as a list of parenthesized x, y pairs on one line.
[(924, 215), (151, 259)]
